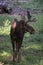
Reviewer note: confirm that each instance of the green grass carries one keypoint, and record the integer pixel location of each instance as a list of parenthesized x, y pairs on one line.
[(32, 50)]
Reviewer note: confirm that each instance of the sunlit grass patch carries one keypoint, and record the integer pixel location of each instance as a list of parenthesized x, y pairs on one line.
[(4, 30), (4, 53), (6, 23)]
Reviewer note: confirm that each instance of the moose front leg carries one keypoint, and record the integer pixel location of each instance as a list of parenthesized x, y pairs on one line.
[(18, 46), (14, 53), (13, 50), (19, 55)]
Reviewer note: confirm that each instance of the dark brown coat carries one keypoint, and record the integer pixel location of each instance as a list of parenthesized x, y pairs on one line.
[(18, 29)]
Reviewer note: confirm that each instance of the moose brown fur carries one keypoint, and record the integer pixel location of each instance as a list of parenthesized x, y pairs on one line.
[(18, 29)]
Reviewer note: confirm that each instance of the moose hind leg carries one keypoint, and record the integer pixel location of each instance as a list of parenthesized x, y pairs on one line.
[(13, 45)]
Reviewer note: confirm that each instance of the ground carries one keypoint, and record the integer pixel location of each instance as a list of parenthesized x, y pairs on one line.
[(32, 47)]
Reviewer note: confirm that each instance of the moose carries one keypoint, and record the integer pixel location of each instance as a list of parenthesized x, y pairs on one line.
[(18, 29)]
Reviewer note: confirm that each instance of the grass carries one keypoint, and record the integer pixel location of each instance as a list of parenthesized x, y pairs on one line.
[(32, 50)]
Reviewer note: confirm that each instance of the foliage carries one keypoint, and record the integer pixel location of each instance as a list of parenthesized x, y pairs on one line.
[(40, 1)]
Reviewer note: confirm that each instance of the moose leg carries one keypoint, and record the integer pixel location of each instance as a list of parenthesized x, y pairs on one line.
[(19, 55), (14, 53), (13, 50), (18, 46)]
